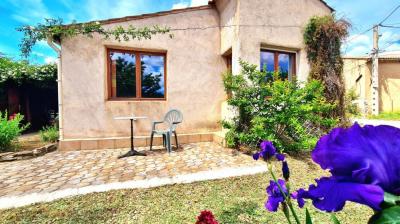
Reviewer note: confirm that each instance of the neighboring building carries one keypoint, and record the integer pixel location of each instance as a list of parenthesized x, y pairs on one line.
[(357, 74), (183, 72)]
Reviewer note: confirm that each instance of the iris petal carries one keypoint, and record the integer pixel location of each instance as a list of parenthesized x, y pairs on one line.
[(367, 155), (331, 195), (272, 203)]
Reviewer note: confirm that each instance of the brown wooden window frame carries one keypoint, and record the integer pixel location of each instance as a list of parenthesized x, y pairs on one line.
[(138, 74), (292, 57)]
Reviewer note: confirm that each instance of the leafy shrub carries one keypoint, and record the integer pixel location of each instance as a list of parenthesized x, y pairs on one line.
[(279, 110), (350, 104), (10, 130), (49, 134)]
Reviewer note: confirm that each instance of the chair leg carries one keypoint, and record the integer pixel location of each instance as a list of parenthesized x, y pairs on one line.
[(176, 140), (169, 142), (151, 140), (164, 143)]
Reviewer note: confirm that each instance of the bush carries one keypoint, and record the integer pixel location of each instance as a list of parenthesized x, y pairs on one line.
[(10, 130), (281, 111), (350, 104), (49, 134)]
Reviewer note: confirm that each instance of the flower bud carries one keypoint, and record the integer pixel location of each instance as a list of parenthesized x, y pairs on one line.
[(285, 170)]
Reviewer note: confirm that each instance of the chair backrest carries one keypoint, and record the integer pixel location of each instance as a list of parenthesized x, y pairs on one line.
[(173, 117)]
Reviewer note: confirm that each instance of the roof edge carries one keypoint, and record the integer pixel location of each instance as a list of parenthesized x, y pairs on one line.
[(150, 15), (322, 1), (327, 5)]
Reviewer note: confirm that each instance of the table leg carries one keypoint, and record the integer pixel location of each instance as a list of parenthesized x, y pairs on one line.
[(132, 152)]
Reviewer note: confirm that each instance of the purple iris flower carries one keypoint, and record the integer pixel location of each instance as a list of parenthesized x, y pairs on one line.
[(275, 196), (268, 151), (364, 163)]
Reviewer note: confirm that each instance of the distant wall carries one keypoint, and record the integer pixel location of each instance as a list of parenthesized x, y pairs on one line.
[(389, 83)]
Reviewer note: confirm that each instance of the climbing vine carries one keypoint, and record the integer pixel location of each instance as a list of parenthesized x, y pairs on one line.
[(323, 37), (54, 28)]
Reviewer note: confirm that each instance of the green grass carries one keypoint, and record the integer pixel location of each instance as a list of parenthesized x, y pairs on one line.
[(234, 200), (393, 116)]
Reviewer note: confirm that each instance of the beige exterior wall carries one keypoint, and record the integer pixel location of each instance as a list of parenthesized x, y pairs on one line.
[(273, 24), (194, 65), (389, 83)]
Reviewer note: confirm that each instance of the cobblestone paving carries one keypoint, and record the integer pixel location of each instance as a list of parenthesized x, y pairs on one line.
[(65, 170)]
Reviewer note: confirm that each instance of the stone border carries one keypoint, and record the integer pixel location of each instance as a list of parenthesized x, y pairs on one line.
[(27, 154), (23, 200)]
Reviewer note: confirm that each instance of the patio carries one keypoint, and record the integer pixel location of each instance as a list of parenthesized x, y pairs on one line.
[(62, 174)]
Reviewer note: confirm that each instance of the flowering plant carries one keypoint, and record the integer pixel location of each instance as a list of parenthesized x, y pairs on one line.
[(365, 169), (206, 217)]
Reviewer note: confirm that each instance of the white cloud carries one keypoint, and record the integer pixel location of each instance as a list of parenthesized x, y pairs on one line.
[(360, 45), (180, 5), (198, 2), (28, 11), (189, 3), (50, 60)]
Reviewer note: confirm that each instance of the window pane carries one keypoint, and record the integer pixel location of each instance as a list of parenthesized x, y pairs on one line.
[(267, 61), (153, 82), (284, 65), (123, 74)]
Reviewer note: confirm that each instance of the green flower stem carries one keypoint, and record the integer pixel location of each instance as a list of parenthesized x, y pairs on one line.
[(286, 212), (287, 196)]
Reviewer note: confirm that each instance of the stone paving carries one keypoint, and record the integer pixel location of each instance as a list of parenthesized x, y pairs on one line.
[(60, 171)]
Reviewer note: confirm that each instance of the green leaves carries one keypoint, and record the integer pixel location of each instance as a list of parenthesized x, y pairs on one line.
[(279, 110), (308, 217), (21, 71), (390, 199), (387, 216), (10, 130), (334, 219), (390, 213), (54, 28)]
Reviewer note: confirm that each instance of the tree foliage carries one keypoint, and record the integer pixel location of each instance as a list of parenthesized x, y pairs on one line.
[(275, 109), (323, 37), (54, 28), (22, 72)]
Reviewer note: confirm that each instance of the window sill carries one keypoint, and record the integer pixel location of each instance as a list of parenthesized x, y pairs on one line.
[(135, 99)]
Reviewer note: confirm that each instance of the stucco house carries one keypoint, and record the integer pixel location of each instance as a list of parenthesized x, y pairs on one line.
[(357, 73), (101, 79)]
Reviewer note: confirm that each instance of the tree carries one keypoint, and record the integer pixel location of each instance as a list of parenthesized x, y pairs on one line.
[(323, 37)]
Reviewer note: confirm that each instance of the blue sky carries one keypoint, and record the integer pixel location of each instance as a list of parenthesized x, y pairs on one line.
[(13, 13)]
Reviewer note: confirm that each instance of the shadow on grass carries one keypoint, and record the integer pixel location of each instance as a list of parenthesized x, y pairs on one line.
[(240, 213)]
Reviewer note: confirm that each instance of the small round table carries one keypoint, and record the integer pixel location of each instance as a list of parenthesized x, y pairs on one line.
[(131, 152)]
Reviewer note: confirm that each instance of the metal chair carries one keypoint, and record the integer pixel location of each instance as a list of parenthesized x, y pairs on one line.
[(172, 118)]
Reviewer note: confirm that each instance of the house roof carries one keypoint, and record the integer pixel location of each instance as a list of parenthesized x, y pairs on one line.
[(385, 56), (326, 4), (210, 5), (156, 14)]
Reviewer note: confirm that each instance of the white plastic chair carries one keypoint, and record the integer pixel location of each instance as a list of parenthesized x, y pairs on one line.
[(172, 118)]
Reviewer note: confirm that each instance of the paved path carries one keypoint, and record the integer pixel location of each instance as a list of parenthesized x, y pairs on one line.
[(377, 122), (62, 174)]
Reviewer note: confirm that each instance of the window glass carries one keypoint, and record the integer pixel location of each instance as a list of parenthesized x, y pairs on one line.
[(274, 61), (267, 61), (123, 74), (284, 65), (152, 71)]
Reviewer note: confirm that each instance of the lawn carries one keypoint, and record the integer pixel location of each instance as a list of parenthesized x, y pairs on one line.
[(234, 200), (393, 116)]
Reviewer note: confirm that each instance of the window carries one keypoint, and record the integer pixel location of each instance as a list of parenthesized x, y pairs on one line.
[(274, 61), (136, 75)]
